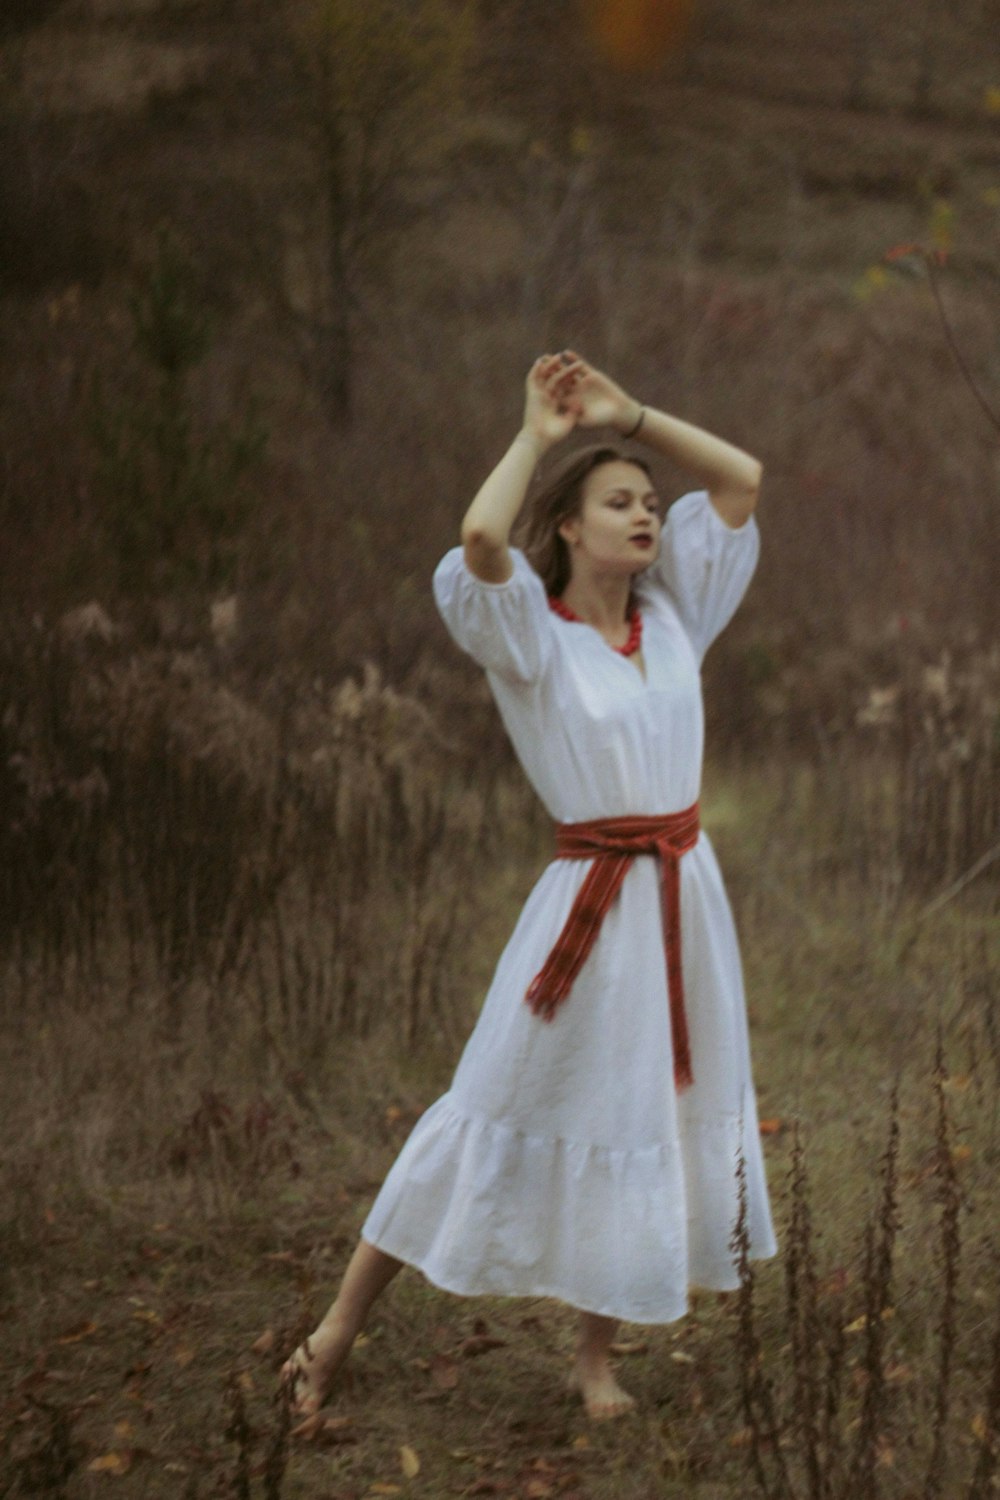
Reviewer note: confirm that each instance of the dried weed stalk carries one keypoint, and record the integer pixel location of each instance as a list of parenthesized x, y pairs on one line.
[(949, 1198), (880, 1240), (240, 1432), (983, 1483), (812, 1435), (802, 1315), (756, 1388)]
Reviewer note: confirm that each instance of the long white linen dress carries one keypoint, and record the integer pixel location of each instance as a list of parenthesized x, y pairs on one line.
[(563, 1161)]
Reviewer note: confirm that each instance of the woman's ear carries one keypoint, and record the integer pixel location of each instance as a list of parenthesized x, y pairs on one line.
[(569, 530)]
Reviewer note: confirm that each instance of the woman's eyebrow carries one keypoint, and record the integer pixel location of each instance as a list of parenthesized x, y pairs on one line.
[(622, 489)]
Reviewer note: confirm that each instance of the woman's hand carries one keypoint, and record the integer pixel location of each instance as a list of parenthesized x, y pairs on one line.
[(551, 406), (551, 411), (601, 402)]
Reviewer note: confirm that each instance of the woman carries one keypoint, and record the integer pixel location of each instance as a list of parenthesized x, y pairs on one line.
[(589, 1144)]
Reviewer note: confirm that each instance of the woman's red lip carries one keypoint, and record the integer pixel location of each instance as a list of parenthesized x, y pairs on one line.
[(643, 541)]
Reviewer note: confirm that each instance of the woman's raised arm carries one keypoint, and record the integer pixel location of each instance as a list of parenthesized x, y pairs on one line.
[(551, 411), (731, 477)]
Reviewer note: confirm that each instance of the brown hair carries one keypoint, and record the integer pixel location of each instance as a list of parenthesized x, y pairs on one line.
[(558, 498)]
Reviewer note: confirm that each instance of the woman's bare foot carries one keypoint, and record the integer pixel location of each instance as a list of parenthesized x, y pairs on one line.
[(308, 1374), (603, 1397)]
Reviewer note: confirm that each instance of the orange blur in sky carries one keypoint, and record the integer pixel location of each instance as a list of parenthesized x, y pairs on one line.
[(637, 35)]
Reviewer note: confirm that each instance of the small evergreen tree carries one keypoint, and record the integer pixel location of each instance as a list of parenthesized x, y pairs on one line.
[(173, 490)]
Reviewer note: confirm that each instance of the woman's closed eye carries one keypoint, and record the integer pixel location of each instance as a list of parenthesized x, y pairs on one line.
[(623, 502)]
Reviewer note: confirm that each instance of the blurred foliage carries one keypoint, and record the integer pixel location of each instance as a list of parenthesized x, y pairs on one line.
[(174, 493), (159, 815), (23, 15), (50, 232), (382, 83)]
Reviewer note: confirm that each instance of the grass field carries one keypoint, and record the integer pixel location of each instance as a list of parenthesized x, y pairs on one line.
[(179, 1202)]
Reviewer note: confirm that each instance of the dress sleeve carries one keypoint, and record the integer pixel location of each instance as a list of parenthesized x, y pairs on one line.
[(505, 627), (704, 565)]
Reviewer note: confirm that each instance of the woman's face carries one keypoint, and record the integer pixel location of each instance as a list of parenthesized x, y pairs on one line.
[(617, 528)]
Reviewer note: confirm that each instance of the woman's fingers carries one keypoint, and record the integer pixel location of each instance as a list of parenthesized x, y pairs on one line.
[(561, 375), (554, 378), (560, 361)]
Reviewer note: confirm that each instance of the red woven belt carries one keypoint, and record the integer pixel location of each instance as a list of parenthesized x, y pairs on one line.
[(612, 844)]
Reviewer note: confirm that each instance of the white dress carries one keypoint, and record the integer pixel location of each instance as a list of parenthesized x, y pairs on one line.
[(562, 1161)]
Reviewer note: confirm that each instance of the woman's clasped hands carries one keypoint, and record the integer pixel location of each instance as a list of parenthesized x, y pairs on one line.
[(563, 391)]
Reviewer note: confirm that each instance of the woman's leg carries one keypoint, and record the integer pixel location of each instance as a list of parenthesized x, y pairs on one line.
[(592, 1374), (308, 1373)]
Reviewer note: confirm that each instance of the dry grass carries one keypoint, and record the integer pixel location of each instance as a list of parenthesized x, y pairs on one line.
[(193, 1153)]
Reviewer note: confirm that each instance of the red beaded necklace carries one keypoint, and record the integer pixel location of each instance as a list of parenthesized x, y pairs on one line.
[(634, 641)]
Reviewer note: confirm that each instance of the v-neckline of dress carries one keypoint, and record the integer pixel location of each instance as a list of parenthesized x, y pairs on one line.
[(627, 661), (574, 620)]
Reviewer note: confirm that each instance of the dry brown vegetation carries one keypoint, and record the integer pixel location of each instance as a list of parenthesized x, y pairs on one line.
[(260, 841)]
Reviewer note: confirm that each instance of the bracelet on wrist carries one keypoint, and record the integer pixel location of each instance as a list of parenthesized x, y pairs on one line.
[(633, 430)]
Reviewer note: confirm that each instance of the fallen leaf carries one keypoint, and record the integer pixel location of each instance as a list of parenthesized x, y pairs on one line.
[(773, 1126), (859, 1324), (631, 1346), (583, 1441), (538, 1489), (444, 1372), (674, 1457), (184, 1356), (958, 1084), (124, 1428), (961, 1153), (385, 1489), (742, 1438), (479, 1343), (980, 1430), (112, 1463), (393, 1114), (409, 1461), (321, 1427), (885, 1454), (265, 1343), (680, 1358), (77, 1332)]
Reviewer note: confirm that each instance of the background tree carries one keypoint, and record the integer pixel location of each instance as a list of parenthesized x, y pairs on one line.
[(382, 81), (172, 489)]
